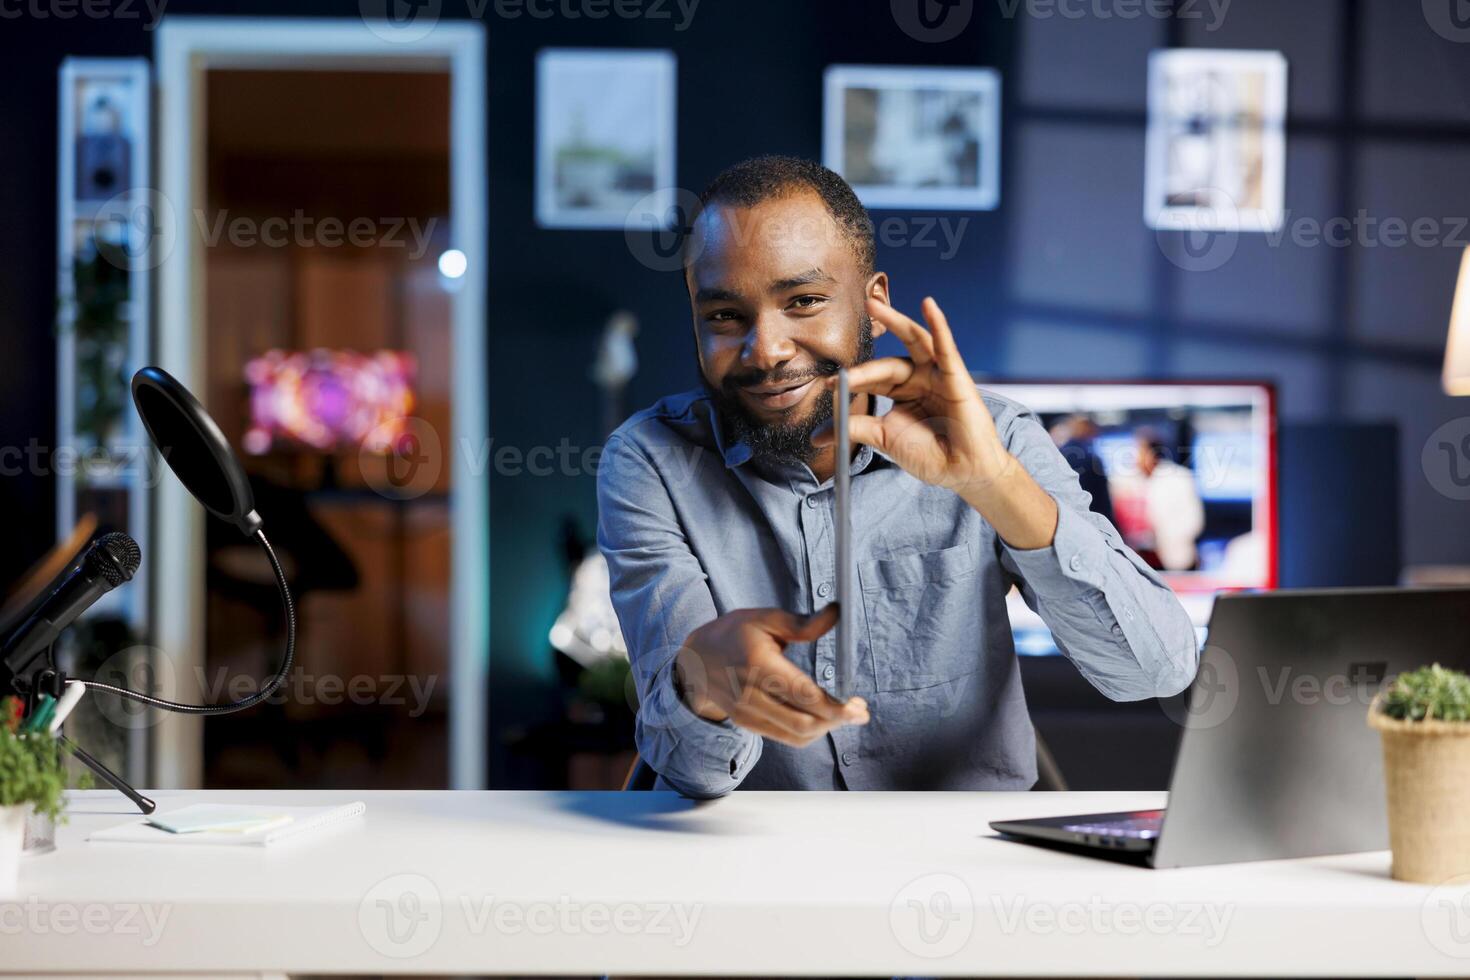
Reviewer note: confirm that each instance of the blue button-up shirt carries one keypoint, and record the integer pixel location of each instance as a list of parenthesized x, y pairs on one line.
[(692, 527)]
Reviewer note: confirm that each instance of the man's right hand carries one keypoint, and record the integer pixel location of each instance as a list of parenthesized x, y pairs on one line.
[(733, 668)]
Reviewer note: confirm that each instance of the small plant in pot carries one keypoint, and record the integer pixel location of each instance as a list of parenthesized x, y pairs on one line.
[(1424, 721), (32, 779)]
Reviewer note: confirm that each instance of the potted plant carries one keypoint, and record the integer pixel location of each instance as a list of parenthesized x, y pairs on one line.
[(32, 779), (1424, 720)]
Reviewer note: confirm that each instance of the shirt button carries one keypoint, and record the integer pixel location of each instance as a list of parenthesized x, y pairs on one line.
[(1076, 563), (824, 590), (847, 758), (827, 672), (1117, 630), (811, 501)]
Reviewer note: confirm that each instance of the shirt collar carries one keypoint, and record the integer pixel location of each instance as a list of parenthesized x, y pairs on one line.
[(737, 452)]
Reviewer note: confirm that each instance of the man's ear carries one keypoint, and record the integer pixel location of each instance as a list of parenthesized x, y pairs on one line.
[(878, 289)]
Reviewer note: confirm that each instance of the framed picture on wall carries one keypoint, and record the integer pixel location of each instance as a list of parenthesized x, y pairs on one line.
[(915, 137), (604, 138), (1216, 147)]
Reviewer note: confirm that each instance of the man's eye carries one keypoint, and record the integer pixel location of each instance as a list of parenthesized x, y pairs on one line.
[(722, 316), (808, 302)]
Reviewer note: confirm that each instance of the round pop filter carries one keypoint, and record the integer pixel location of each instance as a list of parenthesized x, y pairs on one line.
[(194, 448)]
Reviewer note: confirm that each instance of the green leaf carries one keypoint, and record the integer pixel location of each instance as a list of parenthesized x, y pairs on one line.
[(1429, 693)]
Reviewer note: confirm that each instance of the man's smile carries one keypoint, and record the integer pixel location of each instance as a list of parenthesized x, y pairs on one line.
[(776, 395)]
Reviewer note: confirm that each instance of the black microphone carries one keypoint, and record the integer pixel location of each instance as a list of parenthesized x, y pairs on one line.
[(107, 563)]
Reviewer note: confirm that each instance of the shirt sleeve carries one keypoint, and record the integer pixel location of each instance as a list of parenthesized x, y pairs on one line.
[(661, 595), (1108, 611)]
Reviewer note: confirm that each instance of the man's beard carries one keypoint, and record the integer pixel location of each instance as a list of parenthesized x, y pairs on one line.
[(785, 439)]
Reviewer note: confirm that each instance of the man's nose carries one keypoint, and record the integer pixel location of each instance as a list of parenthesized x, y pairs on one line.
[(767, 346)]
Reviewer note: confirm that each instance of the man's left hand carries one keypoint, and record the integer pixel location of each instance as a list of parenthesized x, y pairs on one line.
[(939, 429)]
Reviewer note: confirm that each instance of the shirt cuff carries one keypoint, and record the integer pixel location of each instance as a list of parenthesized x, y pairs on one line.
[(697, 756), (1073, 563)]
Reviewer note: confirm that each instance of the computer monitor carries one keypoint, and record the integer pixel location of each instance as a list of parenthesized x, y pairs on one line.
[(1186, 471), (329, 401)]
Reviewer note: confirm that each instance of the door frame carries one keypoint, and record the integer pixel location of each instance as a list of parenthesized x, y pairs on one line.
[(185, 49)]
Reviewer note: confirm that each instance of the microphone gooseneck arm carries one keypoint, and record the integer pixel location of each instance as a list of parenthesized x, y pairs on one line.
[(224, 709)]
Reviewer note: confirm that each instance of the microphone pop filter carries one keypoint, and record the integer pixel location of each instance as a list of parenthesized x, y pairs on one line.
[(194, 448)]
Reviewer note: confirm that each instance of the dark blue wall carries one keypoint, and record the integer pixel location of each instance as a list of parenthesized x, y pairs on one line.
[(1062, 280)]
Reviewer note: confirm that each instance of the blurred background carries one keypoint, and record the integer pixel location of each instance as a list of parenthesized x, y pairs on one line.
[(411, 256)]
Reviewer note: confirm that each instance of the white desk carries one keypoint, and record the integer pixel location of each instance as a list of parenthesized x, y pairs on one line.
[(647, 883)]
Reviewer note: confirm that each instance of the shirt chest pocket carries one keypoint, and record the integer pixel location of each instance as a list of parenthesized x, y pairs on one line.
[(922, 614)]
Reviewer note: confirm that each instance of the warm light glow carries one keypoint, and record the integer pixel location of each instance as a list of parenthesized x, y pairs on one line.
[(329, 400), (1457, 348), (452, 264)]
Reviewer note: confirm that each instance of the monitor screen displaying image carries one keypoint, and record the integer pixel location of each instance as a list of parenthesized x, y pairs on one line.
[(1184, 471), (329, 401)]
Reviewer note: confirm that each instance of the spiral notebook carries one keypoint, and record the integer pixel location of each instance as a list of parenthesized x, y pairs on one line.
[(229, 825)]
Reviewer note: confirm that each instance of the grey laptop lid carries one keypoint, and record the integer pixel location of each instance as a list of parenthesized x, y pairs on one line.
[(1277, 759)]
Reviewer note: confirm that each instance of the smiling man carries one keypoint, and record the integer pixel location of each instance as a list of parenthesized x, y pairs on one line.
[(715, 515)]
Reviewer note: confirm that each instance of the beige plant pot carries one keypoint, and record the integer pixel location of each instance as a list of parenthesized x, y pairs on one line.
[(12, 839), (1426, 770)]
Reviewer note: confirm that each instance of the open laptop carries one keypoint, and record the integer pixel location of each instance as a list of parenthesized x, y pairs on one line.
[(1277, 759)]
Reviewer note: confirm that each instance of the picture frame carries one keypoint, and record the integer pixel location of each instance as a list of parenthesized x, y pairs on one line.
[(605, 138), (925, 138), (1215, 158)]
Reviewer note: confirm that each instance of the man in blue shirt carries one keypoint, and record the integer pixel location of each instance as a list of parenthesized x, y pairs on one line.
[(715, 515)]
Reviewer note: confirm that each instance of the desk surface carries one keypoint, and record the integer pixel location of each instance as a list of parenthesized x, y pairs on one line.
[(758, 883)]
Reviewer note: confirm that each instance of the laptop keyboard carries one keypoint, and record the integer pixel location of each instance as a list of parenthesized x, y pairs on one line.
[(1140, 827)]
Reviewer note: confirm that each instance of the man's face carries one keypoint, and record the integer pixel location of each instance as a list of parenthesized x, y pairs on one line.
[(779, 297)]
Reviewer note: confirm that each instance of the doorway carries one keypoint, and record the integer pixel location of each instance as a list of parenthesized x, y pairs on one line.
[(325, 298)]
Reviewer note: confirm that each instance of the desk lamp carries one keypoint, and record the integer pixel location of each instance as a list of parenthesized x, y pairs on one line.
[(1457, 346)]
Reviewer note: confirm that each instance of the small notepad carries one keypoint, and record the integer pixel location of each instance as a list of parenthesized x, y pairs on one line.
[(227, 824), (218, 817)]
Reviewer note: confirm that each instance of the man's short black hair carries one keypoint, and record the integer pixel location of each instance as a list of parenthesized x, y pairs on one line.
[(751, 182)]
